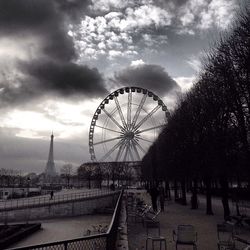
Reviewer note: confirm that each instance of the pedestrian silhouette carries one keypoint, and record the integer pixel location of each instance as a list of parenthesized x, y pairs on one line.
[(51, 195)]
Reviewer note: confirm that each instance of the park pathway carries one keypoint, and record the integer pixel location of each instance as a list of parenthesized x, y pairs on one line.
[(59, 197), (176, 214)]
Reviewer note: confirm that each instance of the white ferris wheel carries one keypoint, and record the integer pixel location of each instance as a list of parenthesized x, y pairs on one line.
[(125, 124)]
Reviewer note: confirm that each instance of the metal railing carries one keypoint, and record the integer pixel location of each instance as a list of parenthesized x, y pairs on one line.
[(113, 227), (45, 200), (104, 241)]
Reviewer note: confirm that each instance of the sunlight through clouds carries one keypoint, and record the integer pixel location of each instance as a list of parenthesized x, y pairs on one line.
[(67, 120), (29, 120)]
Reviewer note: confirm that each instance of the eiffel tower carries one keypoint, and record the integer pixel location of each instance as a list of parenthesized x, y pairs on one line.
[(50, 169)]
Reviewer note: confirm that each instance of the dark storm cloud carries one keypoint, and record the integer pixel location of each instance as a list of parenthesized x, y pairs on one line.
[(149, 76), (45, 18), (47, 77), (174, 2), (73, 8), (37, 18), (65, 78), (17, 15), (53, 68)]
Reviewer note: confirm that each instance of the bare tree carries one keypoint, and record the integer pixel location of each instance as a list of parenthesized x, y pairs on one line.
[(67, 172), (85, 172)]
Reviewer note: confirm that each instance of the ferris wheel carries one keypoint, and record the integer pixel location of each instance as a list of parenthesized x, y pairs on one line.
[(125, 124)]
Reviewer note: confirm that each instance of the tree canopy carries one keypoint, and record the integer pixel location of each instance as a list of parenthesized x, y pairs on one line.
[(208, 134)]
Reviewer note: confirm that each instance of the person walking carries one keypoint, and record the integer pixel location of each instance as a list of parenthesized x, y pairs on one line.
[(154, 194), (51, 195)]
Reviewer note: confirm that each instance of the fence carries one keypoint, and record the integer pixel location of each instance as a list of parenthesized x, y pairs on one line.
[(14, 204), (104, 241)]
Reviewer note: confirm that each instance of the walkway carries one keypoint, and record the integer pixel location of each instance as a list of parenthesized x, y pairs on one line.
[(60, 197), (176, 214)]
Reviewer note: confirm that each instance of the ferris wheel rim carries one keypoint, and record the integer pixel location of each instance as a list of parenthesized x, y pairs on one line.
[(131, 123)]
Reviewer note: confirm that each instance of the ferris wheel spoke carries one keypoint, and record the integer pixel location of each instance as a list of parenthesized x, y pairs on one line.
[(147, 117), (130, 153), (112, 119), (129, 110), (120, 112), (112, 139), (121, 149), (126, 152), (148, 129), (145, 140), (108, 129), (135, 150), (138, 111), (111, 151), (140, 147)]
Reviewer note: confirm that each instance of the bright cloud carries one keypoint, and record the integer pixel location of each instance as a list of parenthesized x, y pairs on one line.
[(66, 119), (201, 15), (219, 13), (137, 62), (126, 28), (113, 33), (185, 82), (195, 63)]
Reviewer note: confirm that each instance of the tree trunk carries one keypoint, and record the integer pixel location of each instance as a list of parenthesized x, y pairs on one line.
[(175, 190), (183, 193), (224, 197), (237, 195), (167, 190), (113, 176), (208, 196), (89, 183), (68, 182), (194, 199)]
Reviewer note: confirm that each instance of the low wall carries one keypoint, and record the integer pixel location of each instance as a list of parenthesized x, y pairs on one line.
[(71, 208)]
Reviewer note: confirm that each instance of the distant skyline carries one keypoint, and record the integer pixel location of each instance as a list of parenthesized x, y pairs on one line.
[(60, 58)]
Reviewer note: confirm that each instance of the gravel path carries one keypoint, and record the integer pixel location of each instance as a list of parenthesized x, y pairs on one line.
[(176, 214)]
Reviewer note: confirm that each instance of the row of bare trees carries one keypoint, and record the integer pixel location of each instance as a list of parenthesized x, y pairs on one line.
[(110, 172), (93, 174), (207, 138), (10, 177)]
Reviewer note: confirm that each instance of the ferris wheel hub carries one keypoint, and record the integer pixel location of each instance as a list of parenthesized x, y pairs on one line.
[(129, 135)]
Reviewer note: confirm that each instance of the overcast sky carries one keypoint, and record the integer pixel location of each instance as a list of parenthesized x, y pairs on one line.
[(60, 58)]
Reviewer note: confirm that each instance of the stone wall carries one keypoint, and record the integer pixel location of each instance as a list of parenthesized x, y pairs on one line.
[(72, 208)]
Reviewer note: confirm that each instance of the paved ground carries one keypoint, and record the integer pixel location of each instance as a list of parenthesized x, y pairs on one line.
[(176, 214)]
